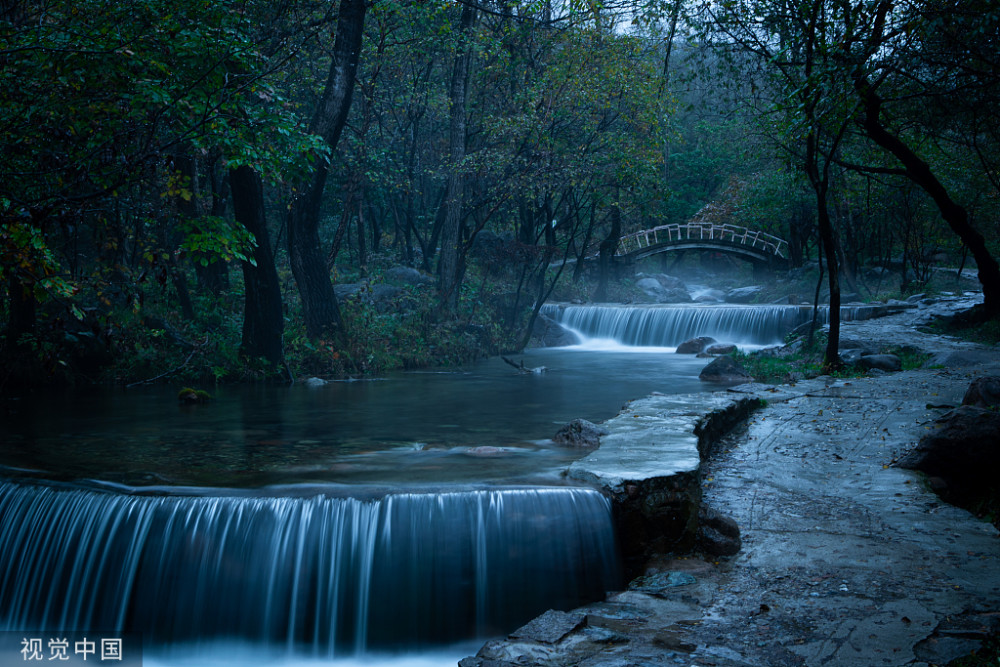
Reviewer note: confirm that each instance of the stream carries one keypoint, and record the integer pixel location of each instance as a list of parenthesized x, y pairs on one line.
[(400, 520)]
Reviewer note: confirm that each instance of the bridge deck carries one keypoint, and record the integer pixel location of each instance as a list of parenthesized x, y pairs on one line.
[(727, 236)]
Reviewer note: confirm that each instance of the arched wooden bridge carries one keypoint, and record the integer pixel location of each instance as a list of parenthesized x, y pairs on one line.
[(753, 245)]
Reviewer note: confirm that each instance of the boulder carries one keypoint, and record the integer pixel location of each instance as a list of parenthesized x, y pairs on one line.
[(550, 333), (882, 362), (670, 282), (718, 535), (984, 392), (725, 370), (744, 294), (580, 433), (963, 358), (695, 345), (963, 450), (382, 297), (408, 276), (711, 296), (345, 291), (851, 357), (720, 348), (652, 288)]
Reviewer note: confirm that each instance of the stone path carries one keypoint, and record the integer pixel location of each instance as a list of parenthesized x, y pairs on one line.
[(846, 560)]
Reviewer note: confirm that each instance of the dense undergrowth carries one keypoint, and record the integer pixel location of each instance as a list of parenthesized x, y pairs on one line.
[(144, 337)]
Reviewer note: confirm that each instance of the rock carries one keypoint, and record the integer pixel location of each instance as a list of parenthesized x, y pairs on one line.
[(963, 358), (720, 348), (916, 298), (550, 627), (659, 583), (882, 362), (851, 357), (190, 396), (580, 433), (655, 290), (718, 535), (669, 282), (710, 298), (382, 296), (963, 450), (346, 291), (851, 344), (652, 288), (550, 333), (677, 295), (314, 382), (408, 276), (744, 294), (695, 345), (984, 392), (725, 370)]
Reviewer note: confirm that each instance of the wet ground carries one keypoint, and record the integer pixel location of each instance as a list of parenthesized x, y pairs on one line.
[(846, 560)]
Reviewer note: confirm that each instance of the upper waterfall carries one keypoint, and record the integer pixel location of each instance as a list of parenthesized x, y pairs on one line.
[(669, 325)]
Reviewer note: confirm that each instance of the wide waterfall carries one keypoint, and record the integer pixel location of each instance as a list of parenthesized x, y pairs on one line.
[(319, 574), (668, 326)]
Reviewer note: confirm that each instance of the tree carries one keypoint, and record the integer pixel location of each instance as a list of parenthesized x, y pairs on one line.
[(319, 302), (880, 61), (450, 267)]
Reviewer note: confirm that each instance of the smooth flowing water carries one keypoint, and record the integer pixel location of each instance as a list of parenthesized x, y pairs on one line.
[(281, 525), (670, 325)]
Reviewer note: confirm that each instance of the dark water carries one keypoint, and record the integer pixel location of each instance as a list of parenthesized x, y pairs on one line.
[(485, 423)]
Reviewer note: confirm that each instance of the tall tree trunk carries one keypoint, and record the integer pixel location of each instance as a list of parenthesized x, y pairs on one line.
[(820, 181), (319, 302), (263, 320), (450, 261), (920, 173)]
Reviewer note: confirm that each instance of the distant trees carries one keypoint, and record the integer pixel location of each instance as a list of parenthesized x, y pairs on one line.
[(151, 143)]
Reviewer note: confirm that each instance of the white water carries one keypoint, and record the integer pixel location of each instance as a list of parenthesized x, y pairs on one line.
[(299, 577), (663, 327)]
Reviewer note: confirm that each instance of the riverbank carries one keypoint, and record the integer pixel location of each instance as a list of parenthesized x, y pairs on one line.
[(846, 560)]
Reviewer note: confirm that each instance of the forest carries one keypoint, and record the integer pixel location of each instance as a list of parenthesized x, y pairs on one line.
[(240, 190)]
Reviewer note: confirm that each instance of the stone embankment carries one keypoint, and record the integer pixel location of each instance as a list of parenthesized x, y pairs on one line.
[(846, 559)]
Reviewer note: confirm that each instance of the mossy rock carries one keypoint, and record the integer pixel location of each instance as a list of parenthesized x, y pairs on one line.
[(191, 396)]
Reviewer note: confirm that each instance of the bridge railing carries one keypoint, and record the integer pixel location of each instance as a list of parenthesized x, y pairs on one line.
[(694, 231)]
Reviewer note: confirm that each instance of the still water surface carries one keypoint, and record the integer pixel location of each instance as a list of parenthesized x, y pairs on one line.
[(485, 423)]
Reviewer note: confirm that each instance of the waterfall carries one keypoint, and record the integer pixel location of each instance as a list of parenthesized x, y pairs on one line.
[(320, 574), (668, 326)]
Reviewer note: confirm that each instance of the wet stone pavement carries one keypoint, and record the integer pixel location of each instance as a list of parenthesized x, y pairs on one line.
[(846, 560)]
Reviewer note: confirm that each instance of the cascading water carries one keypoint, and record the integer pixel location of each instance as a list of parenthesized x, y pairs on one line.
[(668, 326), (318, 575)]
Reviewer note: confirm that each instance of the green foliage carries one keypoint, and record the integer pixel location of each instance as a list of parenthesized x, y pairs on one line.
[(211, 238)]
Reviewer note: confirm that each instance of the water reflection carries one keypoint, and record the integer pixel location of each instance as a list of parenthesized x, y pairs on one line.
[(482, 423)]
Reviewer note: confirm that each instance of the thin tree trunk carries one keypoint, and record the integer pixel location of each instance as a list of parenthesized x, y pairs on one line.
[(450, 261), (319, 302), (821, 183), (263, 320)]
